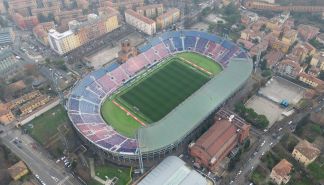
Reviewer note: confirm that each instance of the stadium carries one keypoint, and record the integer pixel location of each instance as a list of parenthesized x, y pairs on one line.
[(150, 105)]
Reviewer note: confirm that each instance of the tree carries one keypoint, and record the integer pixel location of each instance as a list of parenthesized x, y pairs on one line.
[(232, 14), (6, 4), (263, 64), (205, 11), (50, 17), (3, 22), (246, 144), (85, 11), (186, 23), (211, 27), (41, 17), (321, 75)]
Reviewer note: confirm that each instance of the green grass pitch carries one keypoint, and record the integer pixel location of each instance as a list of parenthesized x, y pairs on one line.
[(45, 126), (152, 97), (160, 93)]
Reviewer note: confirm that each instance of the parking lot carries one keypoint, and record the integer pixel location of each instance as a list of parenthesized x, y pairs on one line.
[(266, 107), (109, 53), (278, 89)]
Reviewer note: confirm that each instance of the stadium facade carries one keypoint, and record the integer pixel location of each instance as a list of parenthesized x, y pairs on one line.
[(176, 128)]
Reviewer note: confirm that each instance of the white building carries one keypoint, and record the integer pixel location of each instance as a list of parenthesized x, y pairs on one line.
[(140, 22)]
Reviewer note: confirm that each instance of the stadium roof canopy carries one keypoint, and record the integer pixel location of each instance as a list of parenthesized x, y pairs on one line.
[(172, 170), (189, 114)]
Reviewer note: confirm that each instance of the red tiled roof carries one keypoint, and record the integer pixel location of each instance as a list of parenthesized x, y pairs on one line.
[(307, 149), (151, 6), (312, 78), (139, 16), (283, 168), (168, 13)]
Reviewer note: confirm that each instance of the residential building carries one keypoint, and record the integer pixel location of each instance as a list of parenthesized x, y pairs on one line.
[(289, 68), (310, 80), (280, 174), (64, 17), (276, 23), (245, 44), (25, 22), (320, 38), (281, 45), (261, 22), (124, 4), (7, 36), (307, 32), (174, 171), (314, 71), (258, 49), (273, 57), (18, 170), (301, 51), (24, 98), (228, 131), (269, 1), (10, 65), (41, 32), (34, 104), (318, 60), (168, 18), (251, 35), (289, 37), (80, 33), (249, 17), (6, 115), (150, 11), (3, 9), (305, 152), (22, 7), (140, 22)]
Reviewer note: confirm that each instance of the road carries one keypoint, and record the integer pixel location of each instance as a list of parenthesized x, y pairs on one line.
[(38, 160), (267, 141)]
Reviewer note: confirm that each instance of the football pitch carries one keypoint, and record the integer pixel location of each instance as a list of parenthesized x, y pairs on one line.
[(157, 93)]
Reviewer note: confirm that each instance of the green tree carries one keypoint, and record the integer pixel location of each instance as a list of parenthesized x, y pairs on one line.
[(263, 64), (321, 75), (41, 17), (211, 27), (232, 14), (50, 17), (206, 11)]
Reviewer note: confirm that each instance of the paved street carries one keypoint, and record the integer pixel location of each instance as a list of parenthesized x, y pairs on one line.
[(37, 160), (267, 140)]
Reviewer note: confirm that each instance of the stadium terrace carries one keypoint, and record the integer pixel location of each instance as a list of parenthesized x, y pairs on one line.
[(160, 137)]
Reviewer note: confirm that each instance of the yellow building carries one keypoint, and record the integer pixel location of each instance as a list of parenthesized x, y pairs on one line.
[(280, 45), (34, 104), (305, 152), (310, 80), (18, 170), (80, 33), (150, 11), (6, 115), (14, 103), (318, 60), (168, 18), (280, 174), (273, 24), (289, 37)]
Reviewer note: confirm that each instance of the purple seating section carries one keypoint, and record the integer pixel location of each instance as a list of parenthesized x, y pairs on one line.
[(84, 104)]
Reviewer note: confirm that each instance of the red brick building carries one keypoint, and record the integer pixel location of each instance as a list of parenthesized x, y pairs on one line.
[(219, 140)]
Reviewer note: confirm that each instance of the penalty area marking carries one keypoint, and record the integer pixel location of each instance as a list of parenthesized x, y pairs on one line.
[(196, 66), (129, 113)]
